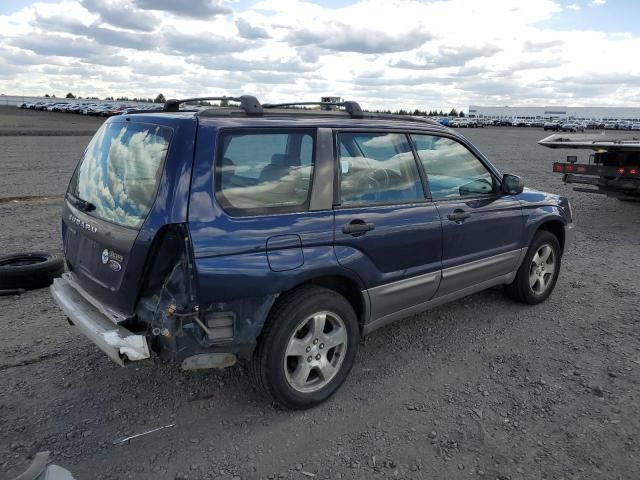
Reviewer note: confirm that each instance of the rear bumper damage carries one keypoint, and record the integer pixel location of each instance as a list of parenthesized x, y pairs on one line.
[(118, 343)]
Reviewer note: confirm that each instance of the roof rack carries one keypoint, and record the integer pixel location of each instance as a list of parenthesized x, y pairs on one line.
[(352, 108), (248, 103)]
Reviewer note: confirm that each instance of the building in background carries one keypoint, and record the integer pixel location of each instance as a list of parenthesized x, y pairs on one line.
[(595, 113)]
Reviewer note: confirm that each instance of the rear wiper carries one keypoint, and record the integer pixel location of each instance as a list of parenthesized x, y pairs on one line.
[(83, 205)]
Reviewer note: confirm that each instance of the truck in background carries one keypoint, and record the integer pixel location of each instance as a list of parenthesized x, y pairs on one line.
[(612, 169)]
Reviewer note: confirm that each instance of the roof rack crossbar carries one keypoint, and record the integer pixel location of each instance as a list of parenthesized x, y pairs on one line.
[(248, 103), (352, 108)]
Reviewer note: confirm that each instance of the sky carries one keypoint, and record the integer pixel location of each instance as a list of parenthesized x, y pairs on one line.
[(381, 53)]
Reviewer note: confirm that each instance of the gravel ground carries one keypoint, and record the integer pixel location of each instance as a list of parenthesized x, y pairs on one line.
[(483, 388)]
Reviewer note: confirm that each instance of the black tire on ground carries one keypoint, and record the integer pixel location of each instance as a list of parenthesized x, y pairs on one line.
[(267, 367), (520, 289), (29, 270)]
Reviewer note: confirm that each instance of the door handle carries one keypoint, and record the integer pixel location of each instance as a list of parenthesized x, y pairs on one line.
[(357, 227), (458, 215)]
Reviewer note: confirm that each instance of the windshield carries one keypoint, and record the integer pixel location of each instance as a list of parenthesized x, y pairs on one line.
[(120, 170)]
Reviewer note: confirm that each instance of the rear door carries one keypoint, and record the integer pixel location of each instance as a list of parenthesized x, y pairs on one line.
[(261, 229), (482, 228), (386, 230)]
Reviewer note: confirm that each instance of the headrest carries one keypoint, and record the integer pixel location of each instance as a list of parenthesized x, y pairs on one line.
[(283, 159), (228, 166)]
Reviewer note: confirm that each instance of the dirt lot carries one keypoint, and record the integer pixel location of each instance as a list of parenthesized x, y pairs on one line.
[(483, 388)]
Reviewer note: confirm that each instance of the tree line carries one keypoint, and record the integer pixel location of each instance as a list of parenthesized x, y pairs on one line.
[(161, 99)]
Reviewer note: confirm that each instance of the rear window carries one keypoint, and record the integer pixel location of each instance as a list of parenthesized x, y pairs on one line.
[(264, 172), (120, 170)]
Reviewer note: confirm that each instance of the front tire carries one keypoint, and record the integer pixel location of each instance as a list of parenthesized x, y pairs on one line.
[(538, 274), (307, 348)]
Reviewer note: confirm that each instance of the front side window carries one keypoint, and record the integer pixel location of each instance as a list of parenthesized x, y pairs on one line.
[(265, 172), (453, 171), (120, 171), (377, 168)]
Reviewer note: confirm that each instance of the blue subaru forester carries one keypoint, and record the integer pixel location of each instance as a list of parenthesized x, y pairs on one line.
[(278, 235)]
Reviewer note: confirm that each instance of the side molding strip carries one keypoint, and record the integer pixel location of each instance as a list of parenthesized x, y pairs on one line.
[(389, 316)]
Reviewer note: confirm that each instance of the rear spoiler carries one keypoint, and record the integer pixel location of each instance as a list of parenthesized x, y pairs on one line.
[(591, 142)]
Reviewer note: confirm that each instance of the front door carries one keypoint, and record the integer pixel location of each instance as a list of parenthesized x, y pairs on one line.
[(386, 230), (481, 227)]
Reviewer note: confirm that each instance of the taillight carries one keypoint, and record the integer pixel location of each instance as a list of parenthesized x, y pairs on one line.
[(621, 171), (558, 168), (633, 171), (569, 168)]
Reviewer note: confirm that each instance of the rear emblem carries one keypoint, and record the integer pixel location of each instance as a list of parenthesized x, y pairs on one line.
[(105, 256), (115, 266)]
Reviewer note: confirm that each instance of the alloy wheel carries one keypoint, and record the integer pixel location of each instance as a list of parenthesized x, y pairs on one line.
[(315, 352), (542, 269)]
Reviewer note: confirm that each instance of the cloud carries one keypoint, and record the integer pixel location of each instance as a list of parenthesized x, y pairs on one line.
[(250, 31), (574, 6), (26, 58), (537, 46), (536, 64), (596, 3), (102, 35), (190, 8), (234, 64), (198, 44), (121, 14), (106, 59), (345, 38), (57, 45), (448, 57)]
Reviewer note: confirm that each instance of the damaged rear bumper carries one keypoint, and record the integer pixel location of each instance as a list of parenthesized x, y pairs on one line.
[(117, 342)]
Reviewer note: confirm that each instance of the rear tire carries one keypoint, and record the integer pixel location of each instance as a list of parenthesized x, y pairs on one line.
[(307, 348), (538, 273)]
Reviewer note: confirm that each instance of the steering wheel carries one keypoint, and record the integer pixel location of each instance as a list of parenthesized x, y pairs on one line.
[(377, 182)]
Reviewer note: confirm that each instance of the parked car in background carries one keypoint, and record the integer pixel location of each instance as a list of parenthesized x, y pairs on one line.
[(572, 127), (593, 124), (58, 107)]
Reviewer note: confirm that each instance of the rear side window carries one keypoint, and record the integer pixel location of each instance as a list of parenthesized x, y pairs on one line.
[(377, 168), (120, 170), (453, 171), (264, 172)]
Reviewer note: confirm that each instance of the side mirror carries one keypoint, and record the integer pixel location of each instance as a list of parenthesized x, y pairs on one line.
[(511, 184)]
